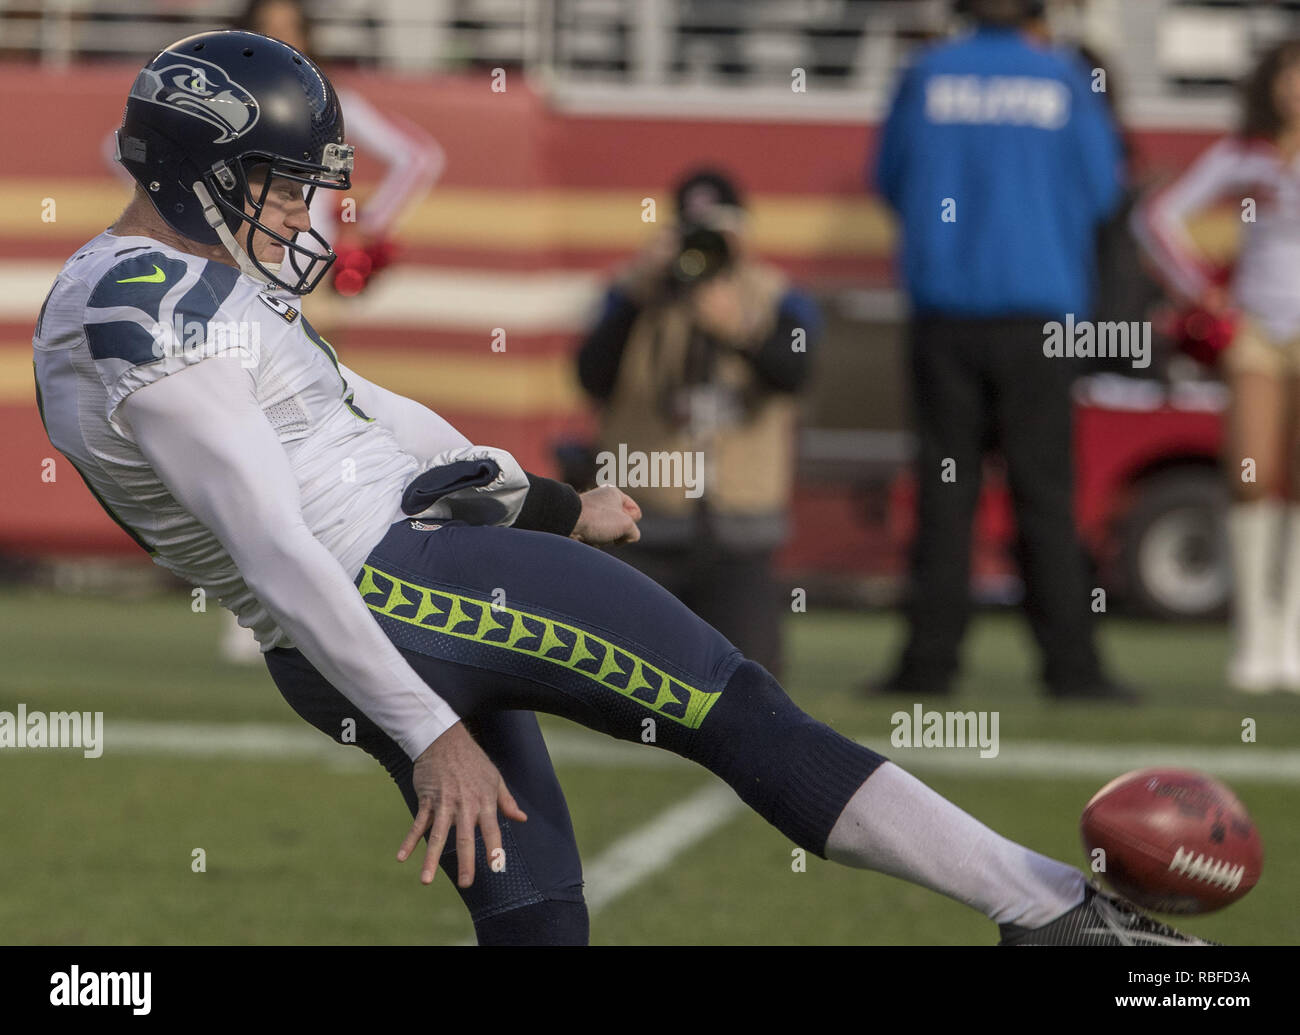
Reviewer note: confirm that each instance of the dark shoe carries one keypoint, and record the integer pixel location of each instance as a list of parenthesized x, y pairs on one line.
[(1100, 919), (1105, 690)]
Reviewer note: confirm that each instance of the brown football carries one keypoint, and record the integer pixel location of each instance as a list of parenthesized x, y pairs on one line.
[(1174, 840)]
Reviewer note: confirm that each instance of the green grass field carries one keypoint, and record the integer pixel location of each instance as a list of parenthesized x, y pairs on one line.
[(300, 848)]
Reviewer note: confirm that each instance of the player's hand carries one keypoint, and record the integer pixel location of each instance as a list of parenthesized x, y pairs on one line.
[(458, 785), (609, 516)]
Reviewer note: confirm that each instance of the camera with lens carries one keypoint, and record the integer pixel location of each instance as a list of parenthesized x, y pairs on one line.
[(703, 252)]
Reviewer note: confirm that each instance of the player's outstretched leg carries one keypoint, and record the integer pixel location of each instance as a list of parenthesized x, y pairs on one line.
[(497, 618)]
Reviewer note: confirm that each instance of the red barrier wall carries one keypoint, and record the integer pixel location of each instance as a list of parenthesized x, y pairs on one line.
[(811, 216)]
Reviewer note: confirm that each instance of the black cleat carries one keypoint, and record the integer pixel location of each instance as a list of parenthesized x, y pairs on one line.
[(1100, 919)]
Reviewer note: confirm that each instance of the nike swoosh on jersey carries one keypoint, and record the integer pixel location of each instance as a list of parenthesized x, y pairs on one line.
[(156, 277)]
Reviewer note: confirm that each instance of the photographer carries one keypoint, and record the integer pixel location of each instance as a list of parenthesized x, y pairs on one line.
[(699, 353)]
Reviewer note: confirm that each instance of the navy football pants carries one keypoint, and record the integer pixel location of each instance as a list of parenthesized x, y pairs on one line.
[(501, 623)]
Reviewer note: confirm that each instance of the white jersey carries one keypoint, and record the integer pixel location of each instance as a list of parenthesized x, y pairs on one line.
[(1266, 281), (223, 434), (126, 312)]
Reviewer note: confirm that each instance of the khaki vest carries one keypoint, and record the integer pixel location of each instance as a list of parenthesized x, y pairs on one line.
[(748, 466)]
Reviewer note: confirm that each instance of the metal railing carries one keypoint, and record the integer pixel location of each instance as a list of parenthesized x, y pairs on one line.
[(1174, 58)]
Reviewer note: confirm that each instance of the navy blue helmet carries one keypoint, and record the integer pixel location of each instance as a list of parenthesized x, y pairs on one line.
[(208, 124)]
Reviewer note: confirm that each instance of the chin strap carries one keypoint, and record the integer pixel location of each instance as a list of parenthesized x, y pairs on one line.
[(218, 223)]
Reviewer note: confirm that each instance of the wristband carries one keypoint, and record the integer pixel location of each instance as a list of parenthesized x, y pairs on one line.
[(550, 506)]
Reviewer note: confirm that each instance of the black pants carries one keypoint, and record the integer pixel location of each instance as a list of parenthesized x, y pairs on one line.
[(980, 385)]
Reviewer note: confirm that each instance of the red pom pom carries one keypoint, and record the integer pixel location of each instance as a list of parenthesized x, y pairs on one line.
[(357, 260), (1203, 335), (349, 282), (356, 265), (381, 254)]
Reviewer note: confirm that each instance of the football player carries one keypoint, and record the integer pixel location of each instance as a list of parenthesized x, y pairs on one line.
[(413, 592)]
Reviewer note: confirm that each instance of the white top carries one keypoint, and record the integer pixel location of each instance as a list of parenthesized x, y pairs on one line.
[(1266, 280)]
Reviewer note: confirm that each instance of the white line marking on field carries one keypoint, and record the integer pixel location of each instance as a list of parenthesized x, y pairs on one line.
[(254, 740), (204, 739), (641, 854), (637, 856), (1035, 758), (579, 747)]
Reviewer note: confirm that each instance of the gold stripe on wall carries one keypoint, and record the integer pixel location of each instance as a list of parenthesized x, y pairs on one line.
[(507, 220), (494, 383), (792, 225)]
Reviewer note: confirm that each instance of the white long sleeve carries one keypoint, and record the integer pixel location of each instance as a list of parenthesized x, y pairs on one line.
[(207, 439)]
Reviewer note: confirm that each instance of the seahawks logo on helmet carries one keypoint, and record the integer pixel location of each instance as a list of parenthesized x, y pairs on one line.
[(203, 90)]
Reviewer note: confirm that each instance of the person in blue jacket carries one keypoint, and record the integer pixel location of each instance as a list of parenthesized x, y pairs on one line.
[(1001, 159)]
